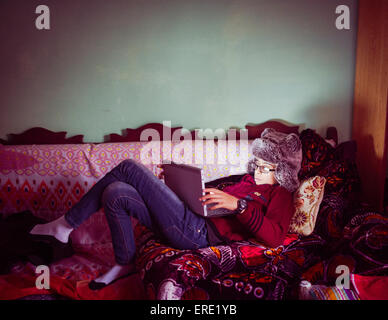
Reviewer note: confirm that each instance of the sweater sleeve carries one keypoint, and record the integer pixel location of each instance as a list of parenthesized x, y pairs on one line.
[(269, 224)]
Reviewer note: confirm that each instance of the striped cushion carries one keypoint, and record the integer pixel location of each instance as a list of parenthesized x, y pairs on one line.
[(320, 292)]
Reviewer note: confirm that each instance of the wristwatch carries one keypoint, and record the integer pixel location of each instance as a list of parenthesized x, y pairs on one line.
[(242, 204)]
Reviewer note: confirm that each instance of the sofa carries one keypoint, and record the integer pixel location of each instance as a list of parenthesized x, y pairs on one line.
[(45, 180)]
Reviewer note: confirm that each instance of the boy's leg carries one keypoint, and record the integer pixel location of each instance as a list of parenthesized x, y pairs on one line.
[(121, 201), (170, 217)]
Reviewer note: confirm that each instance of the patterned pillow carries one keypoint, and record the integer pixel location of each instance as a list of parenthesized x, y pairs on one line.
[(307, 200)]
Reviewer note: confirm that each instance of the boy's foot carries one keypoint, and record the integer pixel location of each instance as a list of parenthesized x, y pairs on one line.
[(58, 228), (117, 272)]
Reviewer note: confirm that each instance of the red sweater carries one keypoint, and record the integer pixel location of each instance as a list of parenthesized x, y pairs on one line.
[(267, 217)]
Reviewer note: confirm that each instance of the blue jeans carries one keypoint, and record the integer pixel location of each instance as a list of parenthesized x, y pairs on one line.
[(131, 189)]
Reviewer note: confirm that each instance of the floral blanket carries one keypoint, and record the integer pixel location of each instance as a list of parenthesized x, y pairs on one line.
[(243, 270)]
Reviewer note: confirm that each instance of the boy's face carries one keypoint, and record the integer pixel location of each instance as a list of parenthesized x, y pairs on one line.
[(264, 172)]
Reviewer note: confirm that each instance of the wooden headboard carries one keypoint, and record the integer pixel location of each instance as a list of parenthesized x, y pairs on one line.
[(39, 135)]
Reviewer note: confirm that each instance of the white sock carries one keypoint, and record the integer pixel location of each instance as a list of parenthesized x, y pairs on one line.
[(115, 272), (58, 228)]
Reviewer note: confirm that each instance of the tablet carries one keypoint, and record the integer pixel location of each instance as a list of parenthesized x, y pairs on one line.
[(188, 183)]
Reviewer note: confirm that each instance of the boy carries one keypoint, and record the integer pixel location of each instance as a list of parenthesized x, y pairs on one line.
[(261, 203)]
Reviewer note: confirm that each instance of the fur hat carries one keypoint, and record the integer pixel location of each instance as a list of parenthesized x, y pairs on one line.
[(284, 150)]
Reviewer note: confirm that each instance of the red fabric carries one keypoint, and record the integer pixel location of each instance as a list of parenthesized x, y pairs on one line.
[(267, 217), (18, 285), (10, 160), (371, 287)]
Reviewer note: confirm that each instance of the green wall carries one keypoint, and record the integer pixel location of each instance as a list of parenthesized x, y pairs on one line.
[(109, 65)]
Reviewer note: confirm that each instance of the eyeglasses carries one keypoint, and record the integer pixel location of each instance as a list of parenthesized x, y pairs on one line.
[(263, 169)]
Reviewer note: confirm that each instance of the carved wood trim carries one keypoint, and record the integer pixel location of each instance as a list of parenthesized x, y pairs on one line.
[(40, 135), (134, 134), (255, 130)]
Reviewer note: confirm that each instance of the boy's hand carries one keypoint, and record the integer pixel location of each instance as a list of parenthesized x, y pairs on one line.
[(223, 199)]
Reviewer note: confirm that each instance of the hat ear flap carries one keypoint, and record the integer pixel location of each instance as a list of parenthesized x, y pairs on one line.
[(290, 143), (251, 166), (287, 177)]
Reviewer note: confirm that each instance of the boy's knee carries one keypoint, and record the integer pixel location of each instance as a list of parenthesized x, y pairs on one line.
[(115, 189), (128, 162), (129, 165)]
